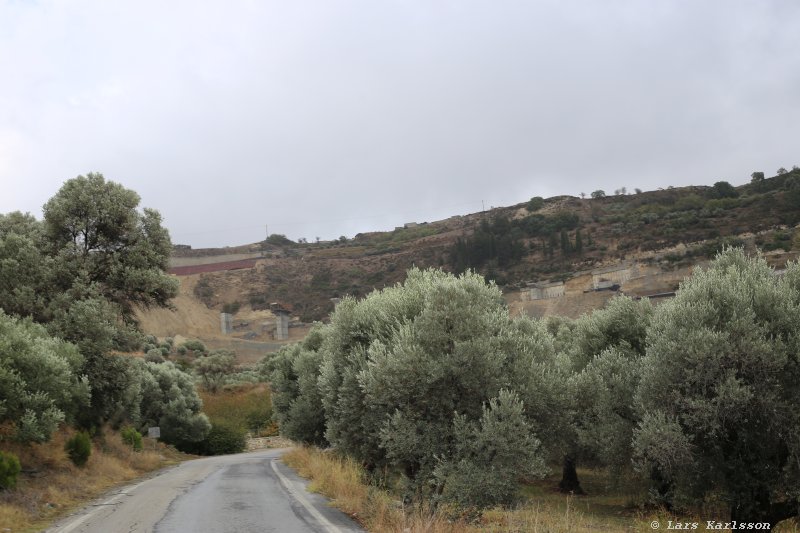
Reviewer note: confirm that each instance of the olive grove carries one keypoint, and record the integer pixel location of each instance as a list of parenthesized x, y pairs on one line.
[(433, 381)]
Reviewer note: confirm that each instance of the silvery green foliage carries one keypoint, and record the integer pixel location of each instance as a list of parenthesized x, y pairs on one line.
[(604, 412), (94, 227), (24, 269), (719, 395), (396, 370), (606, 351), (167, 398), (440, 361), (214, 368), (490, 455), (297, 406), (153, 355), (538, 371), (621, 323), (39, 382), (457, 353), (353, 425)]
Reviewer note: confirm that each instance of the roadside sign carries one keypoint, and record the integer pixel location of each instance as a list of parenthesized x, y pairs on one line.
[(154, 432)]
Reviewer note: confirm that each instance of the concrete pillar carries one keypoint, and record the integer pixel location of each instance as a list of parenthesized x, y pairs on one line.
[(226, 323)]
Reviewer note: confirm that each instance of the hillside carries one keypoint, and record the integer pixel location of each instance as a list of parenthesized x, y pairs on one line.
[(657, 235)]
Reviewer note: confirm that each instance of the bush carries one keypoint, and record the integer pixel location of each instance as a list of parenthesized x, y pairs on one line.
[(167, 398), (132, 438), (79, 448), (279, 239), (40, 380), (213, 369), (9, 468), (154, 356), (224, 439), (535, 203), (194, 345), (182, 350), (220, 440)]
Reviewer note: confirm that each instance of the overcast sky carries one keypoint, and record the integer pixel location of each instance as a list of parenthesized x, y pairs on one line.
[(330, 118)]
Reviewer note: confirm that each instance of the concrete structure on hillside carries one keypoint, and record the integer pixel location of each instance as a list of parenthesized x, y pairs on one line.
[(605, 278), (226, 323), (281, 326), (545, 291), (282, 316)]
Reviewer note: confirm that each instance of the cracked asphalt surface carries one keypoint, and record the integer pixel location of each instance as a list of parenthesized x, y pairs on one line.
[(232, 493)]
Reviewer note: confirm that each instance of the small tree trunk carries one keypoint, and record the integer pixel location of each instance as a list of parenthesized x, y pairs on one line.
[(569, 477)]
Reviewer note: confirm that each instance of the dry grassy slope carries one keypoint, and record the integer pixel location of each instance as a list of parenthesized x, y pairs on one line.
[(189, 318)]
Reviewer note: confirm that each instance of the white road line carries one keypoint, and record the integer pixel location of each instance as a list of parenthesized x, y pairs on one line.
[(75, 524), (111, 501), (287, 483)]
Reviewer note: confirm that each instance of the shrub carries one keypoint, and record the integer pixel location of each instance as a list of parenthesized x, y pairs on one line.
[(168, 399), (279, 239), (154, 356), (535, 203), (132, 438), (194, 345), (221, 440), (182, 350), (213, 369), (79, 448), (9, 468), (40, 382)]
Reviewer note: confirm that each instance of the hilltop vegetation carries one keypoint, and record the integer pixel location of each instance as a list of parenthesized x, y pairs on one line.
[(540, 239)]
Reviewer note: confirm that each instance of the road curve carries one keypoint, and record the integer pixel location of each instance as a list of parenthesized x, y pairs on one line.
[(232, 493)]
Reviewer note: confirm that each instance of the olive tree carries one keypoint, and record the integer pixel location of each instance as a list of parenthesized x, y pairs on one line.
[(214, 368), (490, 455), (409, 374), (604, 351), (94, 228), (40, 383), (165, 396), (435, 375), (719, 395), (297, 405)]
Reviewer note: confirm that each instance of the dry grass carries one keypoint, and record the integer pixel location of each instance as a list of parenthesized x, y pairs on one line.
[(50, 485), (544, 511), (342, 480)]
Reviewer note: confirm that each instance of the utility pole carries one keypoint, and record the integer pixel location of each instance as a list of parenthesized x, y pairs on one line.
[(266, 227)]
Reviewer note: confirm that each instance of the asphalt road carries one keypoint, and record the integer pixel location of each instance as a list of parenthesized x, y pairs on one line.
[(232, 493)]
